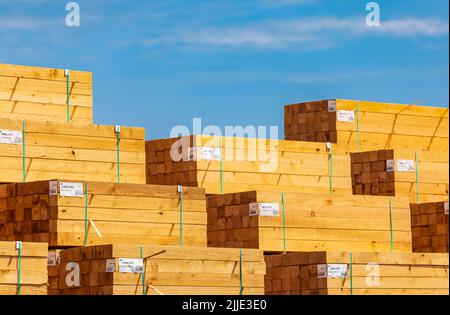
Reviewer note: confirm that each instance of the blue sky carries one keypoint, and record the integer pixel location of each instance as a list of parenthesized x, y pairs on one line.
[(158, 64)]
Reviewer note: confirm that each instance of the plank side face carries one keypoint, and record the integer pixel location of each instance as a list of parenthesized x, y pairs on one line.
[(70, 213), (37, 150), (308, 222), (35, 93), (32, 271), (330, 273), (166, 270), (368, 125)]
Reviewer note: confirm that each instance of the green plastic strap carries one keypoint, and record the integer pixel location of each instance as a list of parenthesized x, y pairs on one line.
[(221, 166), (331, 167), (118, 155), (68, 96), (351, 273), (180, 190), (358, 134), (19, 269), (390, 224), (86, 219), (417, 177), (144, 291), (284, 222), (24, 162), (241, 280)]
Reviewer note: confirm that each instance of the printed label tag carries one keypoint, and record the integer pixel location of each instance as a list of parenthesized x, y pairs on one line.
[(321, 271), (71, 189), (53, 188), (131, 265), (345, 115), (51, 259), (110, 265), (405, 166), (264, 209), (332, 271), (446, 207), (204, 154), (332, 105), (390, 165), (10, 137)]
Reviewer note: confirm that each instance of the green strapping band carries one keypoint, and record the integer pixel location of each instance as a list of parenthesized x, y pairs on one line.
[(68, 96), (181, 216), (19, 271), (144, 291), (390, 224), (86, 219), (284, 222), (417, 177), (331, 169), (221, 167), (118, 155), (351, 273), (24, 171), (358, 137), (241, 280)]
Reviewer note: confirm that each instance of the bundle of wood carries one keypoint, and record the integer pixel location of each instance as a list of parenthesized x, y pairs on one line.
[(227, 165), (44, 150), (45, 94), (424, 176), (368, 125), (23, 268), (275, 222), (64, 213), (429, 224), (156, 270), (343, 273)]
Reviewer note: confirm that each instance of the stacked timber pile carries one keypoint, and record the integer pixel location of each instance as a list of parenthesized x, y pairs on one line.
[(65, 213), (44, 150), (276, 222), (429, 227), (343, 273), (45, 94), (373, 173), (228, 165), (368, 125), (23, 268), (155, 270)]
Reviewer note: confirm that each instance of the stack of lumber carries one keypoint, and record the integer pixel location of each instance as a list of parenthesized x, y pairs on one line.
[(429, 227), (31, 266), (41, 94), (62, 212), (247, 164), (380, 125), (308, 222), (290, 166), (45, 150), (343, 273), (156, 270), (371, 174)]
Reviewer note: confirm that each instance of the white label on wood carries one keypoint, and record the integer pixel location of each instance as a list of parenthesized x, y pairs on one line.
[(446, 207), (51, 259), (131, 265), (53, 188), (209, 154), (264, 209), (110, 265), (332, 105), (332, 271), (390, 165), (71, 189), (345, 115), (10, 137), (405, 166)]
